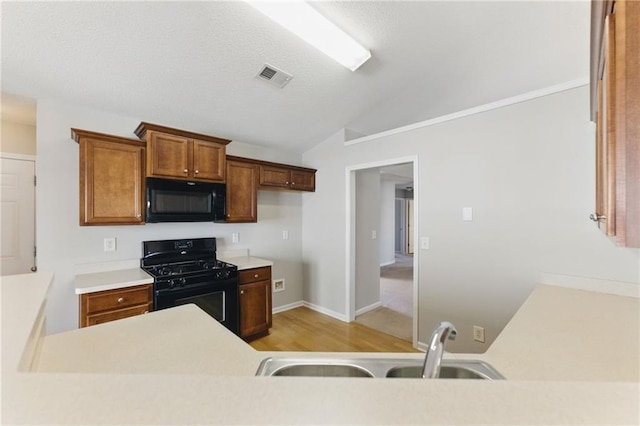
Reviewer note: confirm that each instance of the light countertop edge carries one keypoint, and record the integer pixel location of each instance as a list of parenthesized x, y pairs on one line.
[(247, 262), (110, 280)]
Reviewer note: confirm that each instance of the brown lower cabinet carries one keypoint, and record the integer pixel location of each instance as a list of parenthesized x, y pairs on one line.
[(255, 302), (110, 305)]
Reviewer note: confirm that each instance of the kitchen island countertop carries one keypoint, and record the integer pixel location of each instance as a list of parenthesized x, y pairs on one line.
[(189, 369)]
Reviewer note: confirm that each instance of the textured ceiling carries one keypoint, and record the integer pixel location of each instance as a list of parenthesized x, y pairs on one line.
[(192, 65)]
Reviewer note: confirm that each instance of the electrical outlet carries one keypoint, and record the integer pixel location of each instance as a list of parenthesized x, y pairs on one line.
[(110, 244), (478, 334), (235, 237), (285, 235), (278, 285)]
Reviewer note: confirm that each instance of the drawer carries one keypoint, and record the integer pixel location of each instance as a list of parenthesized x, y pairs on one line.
[(117, 314), (255, 274), (117, 299)]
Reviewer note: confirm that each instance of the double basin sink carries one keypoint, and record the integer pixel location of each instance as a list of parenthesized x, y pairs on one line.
[(374, 368)]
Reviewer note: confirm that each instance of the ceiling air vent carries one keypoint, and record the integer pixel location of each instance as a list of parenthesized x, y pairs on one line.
[(274, 76)]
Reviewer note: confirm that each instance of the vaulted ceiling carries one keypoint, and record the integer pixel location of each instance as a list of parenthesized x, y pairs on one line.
[(192, 65)]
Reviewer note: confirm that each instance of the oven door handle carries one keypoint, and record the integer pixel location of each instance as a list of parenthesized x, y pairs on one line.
[(209, 284)]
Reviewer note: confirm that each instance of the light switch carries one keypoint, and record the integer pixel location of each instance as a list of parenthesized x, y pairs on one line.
[(374, 234), (424, 243), (285, 235), (467, 214)]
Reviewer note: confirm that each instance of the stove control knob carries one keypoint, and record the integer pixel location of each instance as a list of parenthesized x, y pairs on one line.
[(172, 283), (226, 273), (183, 281)]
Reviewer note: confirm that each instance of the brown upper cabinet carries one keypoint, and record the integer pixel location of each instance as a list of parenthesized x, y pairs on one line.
[(242, 190), (179, 154), (273, 176), (615, 107), (111, 179)]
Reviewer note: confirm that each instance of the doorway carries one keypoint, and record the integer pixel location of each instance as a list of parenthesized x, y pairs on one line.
[(359, 239), (18, 214)]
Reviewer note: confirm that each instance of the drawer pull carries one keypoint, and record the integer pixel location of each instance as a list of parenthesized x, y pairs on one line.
[(145, 312), (241, 291), (185, 171), (120, 299), (255, 276)]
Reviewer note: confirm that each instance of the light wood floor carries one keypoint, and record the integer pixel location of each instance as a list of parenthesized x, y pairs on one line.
[(302, 329)]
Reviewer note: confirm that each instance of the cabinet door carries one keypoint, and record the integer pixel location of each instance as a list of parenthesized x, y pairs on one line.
[(242, 192), (275, 176), (208, 161), (167, 156), (111, 183), (255, 308), (303, 180), (116, 315), (110, 305), (617, 115)]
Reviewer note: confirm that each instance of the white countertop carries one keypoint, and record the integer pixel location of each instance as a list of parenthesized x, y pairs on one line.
[(179, 366), (110, 280), (247, 262)]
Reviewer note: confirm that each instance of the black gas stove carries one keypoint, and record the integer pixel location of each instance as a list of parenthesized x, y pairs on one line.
[(187, 271)]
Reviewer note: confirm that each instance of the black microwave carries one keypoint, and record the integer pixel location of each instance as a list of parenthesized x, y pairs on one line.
[(171, 200)]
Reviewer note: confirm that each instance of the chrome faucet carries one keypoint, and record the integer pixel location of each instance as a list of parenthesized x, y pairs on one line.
[(432, 360)]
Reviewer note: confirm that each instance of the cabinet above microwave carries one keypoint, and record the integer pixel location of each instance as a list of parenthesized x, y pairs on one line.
[(179, 154)]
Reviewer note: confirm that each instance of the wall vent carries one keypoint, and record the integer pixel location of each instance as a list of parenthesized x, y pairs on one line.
[(274, 76)]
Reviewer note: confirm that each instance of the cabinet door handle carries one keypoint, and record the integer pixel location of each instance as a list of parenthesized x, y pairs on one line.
[(145, 312), (597, 217), (293, 183), (196, 172), (255, 276), (120, 299), (186, 170), (241, 291)]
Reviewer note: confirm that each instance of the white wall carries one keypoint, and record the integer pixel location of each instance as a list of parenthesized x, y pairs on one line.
[(18, 138), (367, 271), (528, 172), (387, 222), (64, 246)]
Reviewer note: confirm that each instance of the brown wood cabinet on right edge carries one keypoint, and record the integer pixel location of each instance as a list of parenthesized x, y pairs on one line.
[(255, 302), (615, 108)]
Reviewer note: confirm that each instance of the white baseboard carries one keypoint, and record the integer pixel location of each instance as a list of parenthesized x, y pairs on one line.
[(336, 315), (391, 262), (368, 308), (287, 307)]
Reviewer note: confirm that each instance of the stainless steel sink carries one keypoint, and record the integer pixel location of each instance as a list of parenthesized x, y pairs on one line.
[(457, 370), (373, 368), (322, 370)]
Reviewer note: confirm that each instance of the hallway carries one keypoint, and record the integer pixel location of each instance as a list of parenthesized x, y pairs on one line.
[(395, 316)]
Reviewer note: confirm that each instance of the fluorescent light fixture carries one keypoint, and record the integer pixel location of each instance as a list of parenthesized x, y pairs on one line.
[(305, 22)]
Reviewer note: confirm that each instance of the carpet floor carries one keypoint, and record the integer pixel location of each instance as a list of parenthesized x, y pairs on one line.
[(388, 321), (394, 317)]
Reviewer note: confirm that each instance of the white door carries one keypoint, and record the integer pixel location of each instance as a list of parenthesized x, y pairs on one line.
[(410, 226), (17, 193)]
